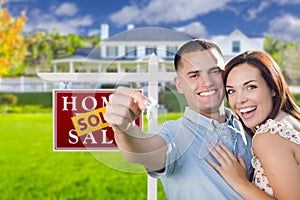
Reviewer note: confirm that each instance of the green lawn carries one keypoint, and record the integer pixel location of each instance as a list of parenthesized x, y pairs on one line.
[(31, 170)]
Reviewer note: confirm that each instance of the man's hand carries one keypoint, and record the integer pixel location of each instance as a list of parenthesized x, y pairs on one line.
[(124, 106)]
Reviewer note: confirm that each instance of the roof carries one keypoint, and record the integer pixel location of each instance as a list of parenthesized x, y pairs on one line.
[(225, 42), (150, 34), (82, 53), (95, 54)]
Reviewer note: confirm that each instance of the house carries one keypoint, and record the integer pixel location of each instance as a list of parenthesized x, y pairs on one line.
[(129, 51), (236, 43), (126, 52)]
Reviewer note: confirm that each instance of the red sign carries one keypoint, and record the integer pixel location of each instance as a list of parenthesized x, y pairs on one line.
[(79, 123)]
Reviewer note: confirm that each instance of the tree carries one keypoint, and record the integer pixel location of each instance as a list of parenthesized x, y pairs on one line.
[(44, 47), (273, 47), (12, 46), (286, 54), (290, 64)]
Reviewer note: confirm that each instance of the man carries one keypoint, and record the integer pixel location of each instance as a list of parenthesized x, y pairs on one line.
[(177, 152)]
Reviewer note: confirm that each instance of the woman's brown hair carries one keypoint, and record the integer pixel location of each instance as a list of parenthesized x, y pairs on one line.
[(270, 71)]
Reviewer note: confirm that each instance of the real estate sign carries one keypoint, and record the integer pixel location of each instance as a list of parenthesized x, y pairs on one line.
[(79, 123)]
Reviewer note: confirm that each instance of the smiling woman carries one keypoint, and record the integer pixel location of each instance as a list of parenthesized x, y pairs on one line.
[(259, 94), (249, 94)]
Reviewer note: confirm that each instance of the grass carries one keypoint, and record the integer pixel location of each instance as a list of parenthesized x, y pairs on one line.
[(31, 170)]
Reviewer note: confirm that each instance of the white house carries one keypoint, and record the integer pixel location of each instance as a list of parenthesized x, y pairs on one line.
[(129, 51), (237, 42)]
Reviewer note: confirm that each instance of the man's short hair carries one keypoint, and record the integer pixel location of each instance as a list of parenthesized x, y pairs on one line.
[(194, 46)]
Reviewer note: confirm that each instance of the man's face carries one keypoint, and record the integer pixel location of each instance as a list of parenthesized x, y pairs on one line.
[(200, 80)]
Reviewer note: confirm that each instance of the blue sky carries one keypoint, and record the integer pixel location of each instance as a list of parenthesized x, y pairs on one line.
[(200, 18)]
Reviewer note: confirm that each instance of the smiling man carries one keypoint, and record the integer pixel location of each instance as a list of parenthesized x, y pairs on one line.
[(177, 152)]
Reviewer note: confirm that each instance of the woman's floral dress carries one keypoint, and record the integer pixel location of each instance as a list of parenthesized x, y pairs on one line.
[(284, 128)]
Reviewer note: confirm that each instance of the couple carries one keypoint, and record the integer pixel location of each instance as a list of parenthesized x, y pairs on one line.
[(191, 153)]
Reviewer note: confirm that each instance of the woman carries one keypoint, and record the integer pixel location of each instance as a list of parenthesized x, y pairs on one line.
[(257, 91)]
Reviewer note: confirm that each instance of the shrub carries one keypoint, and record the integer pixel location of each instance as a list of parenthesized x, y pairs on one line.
[(7, 99)]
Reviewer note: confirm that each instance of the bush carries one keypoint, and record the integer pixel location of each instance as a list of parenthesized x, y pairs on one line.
[(7, 99), (297, 97), (44, 99), (28, 109)]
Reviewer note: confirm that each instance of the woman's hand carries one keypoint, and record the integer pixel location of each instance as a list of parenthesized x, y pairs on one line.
[(232, 169)]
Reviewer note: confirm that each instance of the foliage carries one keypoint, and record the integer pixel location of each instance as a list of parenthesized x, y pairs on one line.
[(273, 46), (12, 45), (43, 99), (291, 63), (7, 99), (44, 47), (93, 41), (163, 101), (26, 109), (286, 54), (297, 97)]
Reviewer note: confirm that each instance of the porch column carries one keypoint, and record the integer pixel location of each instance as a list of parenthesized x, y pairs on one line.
[(55, 67), (119, 67), (71, 67), (99, 68)]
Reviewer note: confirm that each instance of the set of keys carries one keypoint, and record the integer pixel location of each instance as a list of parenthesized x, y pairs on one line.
[(150, 105)]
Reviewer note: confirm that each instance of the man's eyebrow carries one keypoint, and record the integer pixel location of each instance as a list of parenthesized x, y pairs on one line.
[(214, 67), (197, 71), (193, 72)]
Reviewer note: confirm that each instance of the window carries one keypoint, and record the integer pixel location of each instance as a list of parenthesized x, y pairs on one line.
[(130, 51), (112, 51), (171, 51), (236, 46), (150, 50)]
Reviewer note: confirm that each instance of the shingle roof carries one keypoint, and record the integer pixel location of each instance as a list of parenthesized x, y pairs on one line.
[(91, 53), (150, 34)]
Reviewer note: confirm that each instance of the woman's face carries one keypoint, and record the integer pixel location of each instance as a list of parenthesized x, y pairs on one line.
[(249, 94)]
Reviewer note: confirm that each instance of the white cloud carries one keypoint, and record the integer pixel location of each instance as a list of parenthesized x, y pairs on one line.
[(287, 2), (66, 9), (127, 14), (39, 20), (253, 12), (195, 29), (285, 27), (93, 32), (167, 11)]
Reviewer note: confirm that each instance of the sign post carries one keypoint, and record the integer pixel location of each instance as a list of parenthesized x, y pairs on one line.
[(153, 117), (152, 77)]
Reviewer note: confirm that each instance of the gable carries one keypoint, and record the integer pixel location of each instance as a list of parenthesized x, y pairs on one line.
[(237, 42)]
